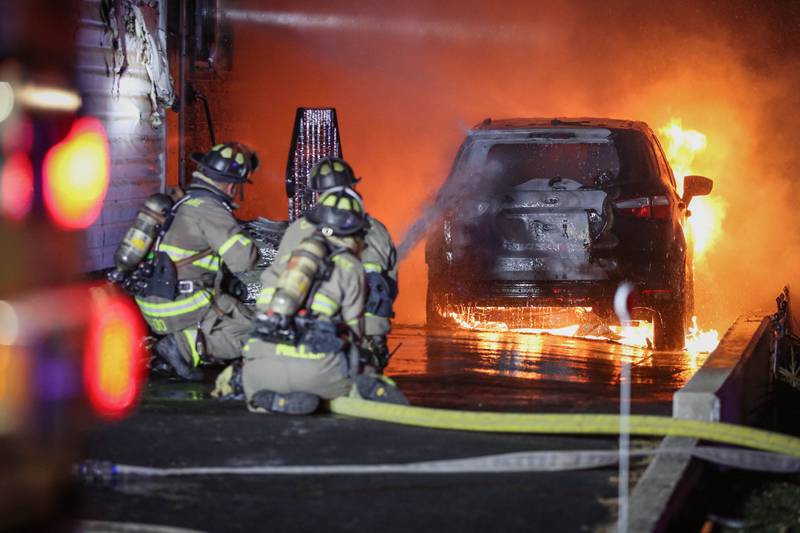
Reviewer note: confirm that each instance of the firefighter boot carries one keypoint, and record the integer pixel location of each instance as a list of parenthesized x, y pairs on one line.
[(228, 385), (379, 389), (167, 349), (292, 403)]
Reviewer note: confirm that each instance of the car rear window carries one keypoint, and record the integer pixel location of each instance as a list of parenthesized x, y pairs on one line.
[(621, 156)]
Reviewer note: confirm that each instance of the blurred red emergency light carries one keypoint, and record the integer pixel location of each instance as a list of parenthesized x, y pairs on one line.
[(76, 175), (114, 365)]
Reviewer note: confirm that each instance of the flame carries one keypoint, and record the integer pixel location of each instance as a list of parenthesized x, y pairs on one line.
[(707, 212), (637, 333), (682, 147), (701, 341)]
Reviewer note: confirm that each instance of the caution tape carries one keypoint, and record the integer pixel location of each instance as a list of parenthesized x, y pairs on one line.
[(597, 424), (505, 463)]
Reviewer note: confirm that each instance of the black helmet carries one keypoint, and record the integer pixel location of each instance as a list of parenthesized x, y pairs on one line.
[(339, 212), (227, 163), (331, 172)]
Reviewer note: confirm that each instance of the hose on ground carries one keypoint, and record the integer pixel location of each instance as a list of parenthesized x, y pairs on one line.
[(596, 424)]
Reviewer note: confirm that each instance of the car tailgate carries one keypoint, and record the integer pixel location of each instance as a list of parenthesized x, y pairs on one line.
[(549, 234)]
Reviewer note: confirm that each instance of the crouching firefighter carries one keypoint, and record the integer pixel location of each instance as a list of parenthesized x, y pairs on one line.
[(184, 287), (378, 257), (305, 339)]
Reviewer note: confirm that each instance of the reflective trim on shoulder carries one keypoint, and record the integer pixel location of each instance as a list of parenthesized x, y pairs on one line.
[(184, 306), (191, 339), (211, 262), (238, 238), (300, 352), (343, 261), (373, 267)]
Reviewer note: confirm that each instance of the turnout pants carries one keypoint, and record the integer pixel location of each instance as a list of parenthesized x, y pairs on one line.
[(220, 334), (284, 369)]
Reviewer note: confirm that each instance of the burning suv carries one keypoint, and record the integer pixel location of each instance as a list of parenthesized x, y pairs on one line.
[(544, 214)]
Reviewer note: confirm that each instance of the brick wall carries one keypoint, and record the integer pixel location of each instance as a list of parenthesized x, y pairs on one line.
[(138, 150)]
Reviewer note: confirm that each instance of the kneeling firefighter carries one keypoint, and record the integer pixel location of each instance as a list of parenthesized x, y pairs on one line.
[(378, 257), (305, 340), (184, 287)]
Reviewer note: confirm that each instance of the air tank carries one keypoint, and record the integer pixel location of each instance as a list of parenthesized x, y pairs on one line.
[(298, 276), (140, 237)]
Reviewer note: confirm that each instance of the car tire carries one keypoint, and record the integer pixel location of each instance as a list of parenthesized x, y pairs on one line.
[(669, 326)]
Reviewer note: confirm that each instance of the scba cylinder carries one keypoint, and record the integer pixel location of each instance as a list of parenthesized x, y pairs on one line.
[(298, 276), (140, 237)]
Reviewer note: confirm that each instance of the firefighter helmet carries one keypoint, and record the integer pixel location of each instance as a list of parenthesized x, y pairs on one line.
[(331, 172), (339, 212), (227, 163)]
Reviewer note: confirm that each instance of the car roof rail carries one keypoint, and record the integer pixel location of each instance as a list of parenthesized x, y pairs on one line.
[(559, 122)]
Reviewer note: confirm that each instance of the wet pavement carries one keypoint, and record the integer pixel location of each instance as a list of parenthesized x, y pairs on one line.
[(178, 425), (481, 370)]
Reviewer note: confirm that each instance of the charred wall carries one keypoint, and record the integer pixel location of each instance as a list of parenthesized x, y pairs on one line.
[(122, 98)]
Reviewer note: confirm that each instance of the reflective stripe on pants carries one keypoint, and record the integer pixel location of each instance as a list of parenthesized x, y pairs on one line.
[(190, 335)]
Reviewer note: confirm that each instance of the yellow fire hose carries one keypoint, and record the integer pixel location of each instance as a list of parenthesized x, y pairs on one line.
[(598, 424)]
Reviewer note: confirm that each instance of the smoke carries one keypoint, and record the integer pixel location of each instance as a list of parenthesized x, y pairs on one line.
[(401, 27), (419, 229), (408, 81), (470, 177)]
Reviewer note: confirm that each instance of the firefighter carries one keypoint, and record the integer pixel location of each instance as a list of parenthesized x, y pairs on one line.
[(199, 247), (378, 257), (304, 345)]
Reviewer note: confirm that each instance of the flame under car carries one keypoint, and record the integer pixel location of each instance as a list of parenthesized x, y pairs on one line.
[(544, 213)]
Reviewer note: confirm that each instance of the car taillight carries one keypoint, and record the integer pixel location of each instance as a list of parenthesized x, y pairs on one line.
[(661, 208), (114, 368), (655, 207), (76, 174), (635, 207)]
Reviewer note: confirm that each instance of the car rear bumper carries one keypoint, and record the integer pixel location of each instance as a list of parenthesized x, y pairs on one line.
[(549, 293)]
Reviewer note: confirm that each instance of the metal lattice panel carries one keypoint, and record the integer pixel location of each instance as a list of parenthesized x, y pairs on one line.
[(266, 235), (315, 136)]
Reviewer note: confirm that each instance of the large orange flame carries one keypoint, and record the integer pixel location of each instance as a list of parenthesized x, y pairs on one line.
[(704, 226), (682, 146)]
